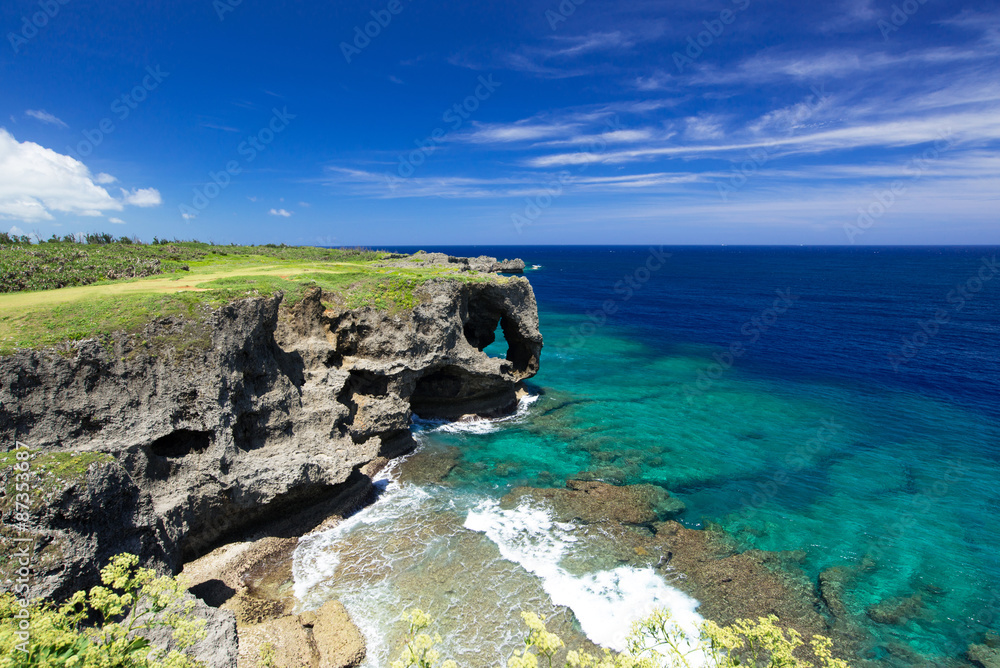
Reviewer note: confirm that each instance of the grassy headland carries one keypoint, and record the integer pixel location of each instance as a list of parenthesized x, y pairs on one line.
[(63, 291)]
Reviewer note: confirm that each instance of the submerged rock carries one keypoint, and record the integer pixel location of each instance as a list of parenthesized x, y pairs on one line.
[(832, 587), (592, 501), (897, 611), (983, 656), (429, 466)]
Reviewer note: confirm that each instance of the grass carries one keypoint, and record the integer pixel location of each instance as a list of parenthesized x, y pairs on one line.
[(71, 297), (49, 474), (51, 265)]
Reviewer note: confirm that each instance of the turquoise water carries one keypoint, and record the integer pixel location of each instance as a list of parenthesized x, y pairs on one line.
[(808, 442)]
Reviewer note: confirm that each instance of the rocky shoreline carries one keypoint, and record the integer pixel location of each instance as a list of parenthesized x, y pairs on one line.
[(193, 434)]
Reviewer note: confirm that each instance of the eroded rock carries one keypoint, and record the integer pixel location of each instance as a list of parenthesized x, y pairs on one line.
[(592, 501), (217, 428)]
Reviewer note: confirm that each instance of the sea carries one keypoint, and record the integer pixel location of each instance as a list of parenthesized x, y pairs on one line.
[(841, 402)]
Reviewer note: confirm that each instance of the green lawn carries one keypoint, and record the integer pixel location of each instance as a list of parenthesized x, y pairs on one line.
[(191, 279)]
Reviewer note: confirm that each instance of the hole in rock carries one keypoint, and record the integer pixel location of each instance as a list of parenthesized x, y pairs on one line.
[(181, 443), (499, 348), (493, 331)]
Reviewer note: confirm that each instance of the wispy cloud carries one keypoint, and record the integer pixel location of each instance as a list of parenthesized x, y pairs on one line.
[(578, 45), (972, 127), (280, 212), (558, 57), (835, 64), (521, 185), (224, 128), (45, 117), (520, 131), (704, 126)]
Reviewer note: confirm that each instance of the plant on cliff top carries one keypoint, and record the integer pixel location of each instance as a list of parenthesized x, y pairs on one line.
[(655, 642), (102, 628)]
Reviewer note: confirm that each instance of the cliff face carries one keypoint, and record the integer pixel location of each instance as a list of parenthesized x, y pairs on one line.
[(261, 410)]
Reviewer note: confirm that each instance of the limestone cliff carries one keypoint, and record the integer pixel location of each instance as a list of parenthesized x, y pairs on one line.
[(259, 410)]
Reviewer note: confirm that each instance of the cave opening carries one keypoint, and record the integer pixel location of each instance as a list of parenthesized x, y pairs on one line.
[(494, 332), (181, 443), (451, 391)]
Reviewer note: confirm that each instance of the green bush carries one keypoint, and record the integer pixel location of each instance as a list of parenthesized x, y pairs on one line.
[(103, 628), (655, 642)]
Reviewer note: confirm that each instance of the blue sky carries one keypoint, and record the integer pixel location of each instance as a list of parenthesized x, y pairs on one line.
[(585, 121)]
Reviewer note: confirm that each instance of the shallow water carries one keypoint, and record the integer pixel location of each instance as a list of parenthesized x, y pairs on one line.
[(810, 440)]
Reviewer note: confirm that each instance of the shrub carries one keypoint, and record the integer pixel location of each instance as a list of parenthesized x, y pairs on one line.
[(105, 627), (655, 642)]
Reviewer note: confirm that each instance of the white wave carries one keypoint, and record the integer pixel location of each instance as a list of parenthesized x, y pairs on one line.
[(477, 425), (315, 561), (605, 602)]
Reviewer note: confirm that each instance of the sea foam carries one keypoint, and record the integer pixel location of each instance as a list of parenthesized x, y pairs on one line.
[(477, 425), (605, 602)]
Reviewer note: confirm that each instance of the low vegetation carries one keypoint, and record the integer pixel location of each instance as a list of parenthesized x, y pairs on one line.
[(47, 474), (106, 627), (61, 290), (655, 642)]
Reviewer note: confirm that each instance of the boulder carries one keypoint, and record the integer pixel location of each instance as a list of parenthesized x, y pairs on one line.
[(324, 638)]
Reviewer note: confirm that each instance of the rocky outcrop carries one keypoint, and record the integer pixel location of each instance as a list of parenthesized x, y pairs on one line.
[(261, 409), (483, 263), (324, 638), (86, 515)]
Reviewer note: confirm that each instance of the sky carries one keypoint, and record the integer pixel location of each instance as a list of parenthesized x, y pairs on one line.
[(407, 122)]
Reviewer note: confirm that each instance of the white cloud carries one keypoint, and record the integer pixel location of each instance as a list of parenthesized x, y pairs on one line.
[(104, 178), (189, 216), (45, 117), (116, 221), (36, 181), (144, 197), (280, 212), (15, 231)]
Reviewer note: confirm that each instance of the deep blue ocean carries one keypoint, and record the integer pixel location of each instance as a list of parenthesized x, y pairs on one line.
[(840, 401)]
